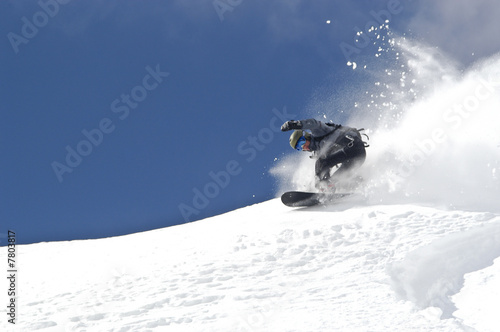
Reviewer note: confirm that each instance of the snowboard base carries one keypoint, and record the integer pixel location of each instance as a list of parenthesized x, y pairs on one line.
[(303, 198)]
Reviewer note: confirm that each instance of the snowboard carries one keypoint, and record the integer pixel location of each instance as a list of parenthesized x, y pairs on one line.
[(303, 198)]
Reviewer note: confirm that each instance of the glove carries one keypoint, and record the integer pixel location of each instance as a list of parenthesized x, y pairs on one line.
[(291, 125)]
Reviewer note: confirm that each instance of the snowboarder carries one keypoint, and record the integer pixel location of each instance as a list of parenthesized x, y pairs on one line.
[(331, 144)]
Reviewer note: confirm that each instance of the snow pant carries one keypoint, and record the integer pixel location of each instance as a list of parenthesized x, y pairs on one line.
[(350, 156)]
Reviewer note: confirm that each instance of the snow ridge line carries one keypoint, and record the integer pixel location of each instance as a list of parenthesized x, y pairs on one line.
[(431, 274)]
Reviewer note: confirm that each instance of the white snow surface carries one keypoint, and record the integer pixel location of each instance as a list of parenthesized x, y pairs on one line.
[(421, 251), (266, 267)]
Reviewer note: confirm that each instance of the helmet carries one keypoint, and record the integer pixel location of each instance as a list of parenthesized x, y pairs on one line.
[(296, 135)]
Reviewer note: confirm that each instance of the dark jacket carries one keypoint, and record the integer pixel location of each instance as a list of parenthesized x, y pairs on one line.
[(328, 138)]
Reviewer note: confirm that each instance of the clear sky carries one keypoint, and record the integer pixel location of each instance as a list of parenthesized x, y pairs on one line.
[(125, 116)]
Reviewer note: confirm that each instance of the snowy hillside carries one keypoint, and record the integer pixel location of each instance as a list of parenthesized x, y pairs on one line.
[(350, 267), (420, 253)]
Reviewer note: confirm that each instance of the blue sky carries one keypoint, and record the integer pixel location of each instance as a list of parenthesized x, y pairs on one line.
[(116, 115)]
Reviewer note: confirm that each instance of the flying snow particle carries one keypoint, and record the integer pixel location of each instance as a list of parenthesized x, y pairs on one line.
[(353, 64)]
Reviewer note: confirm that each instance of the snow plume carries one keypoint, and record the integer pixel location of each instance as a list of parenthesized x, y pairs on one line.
[(437, 139), (294, 172), (434, 128)]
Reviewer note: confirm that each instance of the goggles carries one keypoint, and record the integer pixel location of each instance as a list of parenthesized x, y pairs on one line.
[(300, 143)]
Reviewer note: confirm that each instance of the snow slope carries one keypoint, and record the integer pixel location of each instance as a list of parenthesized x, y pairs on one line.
[(421, 253), (348, 267)]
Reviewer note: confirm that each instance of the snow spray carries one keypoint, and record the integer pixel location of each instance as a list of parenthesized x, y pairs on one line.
[(434, 127)]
